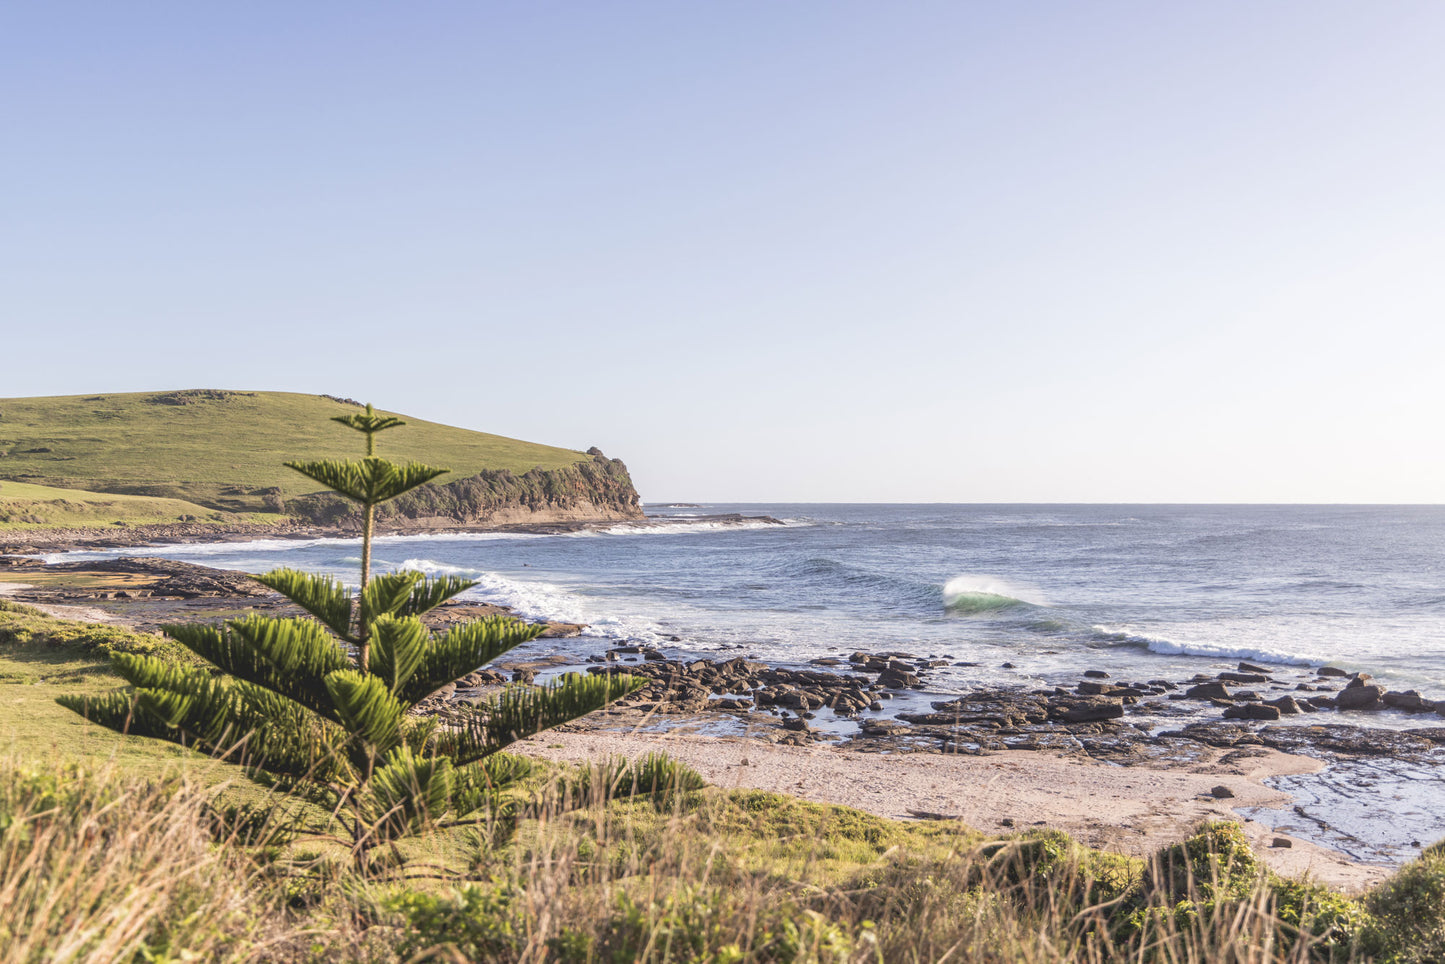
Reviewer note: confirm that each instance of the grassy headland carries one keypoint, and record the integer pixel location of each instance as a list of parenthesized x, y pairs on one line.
[(200, 460), (220, 449)]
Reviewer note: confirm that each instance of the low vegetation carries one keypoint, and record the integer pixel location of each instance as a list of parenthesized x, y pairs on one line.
[(96, 865), (27, 506)]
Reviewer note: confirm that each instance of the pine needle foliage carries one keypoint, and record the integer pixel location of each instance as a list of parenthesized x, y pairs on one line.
[(322, 704)]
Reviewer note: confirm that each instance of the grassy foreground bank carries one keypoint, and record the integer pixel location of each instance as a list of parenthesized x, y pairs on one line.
[(117, 849)]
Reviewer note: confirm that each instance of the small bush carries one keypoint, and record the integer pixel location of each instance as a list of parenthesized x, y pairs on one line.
[(1408, 912), (22, 626), (476, 922), (1214, 864)]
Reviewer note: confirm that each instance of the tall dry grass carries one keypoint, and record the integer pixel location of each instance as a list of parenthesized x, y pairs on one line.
[(97, 868)]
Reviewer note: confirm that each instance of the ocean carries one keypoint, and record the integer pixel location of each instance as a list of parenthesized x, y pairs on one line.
[(1142, 591)]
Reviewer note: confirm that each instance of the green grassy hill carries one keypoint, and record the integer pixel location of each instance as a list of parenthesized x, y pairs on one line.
[(223, 450), (27, 506)]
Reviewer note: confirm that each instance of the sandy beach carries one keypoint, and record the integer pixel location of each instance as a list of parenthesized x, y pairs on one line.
[(1134, 809)]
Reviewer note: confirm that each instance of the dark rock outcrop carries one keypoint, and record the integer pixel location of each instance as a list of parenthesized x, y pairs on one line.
[(599, 489)]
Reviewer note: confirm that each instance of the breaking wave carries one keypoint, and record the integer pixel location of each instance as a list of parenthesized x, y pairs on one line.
[(982, 594), (1173, 647)]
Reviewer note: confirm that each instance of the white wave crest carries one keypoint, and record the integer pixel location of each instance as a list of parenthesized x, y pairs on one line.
[(1173, 647), (980, 586), (545, 600), (683, 528), (433, 568)]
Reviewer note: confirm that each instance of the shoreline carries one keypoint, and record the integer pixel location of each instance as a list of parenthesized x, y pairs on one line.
[(38, 541), (1140, 788)]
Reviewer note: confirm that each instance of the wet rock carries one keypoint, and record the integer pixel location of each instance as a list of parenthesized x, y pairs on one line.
[(1095, 674), (894, 679), (1207, 691), (997, 708), (1287, 705), (1330, 671), (1096, 689), (1284, 842), (1359, 697), (1244, 677), (1085, 709), (729, 703), (1252, 711), (1250, 668), (1221, 792), (799, 700), (1410, 701)]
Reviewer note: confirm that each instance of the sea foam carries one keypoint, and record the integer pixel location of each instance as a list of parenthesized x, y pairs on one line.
[(1173, 647)]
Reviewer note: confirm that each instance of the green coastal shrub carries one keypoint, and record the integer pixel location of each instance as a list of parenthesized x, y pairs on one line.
[(699, 923), (1216, 863), (25, 626), (1407, 924), (476, 922), (1318, 914), (1050, 861)]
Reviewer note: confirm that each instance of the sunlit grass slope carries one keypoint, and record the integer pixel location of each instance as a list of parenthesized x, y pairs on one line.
[(24, 505), (222, 450)]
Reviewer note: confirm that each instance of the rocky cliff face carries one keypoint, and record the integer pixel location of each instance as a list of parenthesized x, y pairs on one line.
[(595, 491)]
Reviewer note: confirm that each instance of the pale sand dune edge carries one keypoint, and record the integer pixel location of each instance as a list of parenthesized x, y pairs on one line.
[(1131, 809), (87, 614)]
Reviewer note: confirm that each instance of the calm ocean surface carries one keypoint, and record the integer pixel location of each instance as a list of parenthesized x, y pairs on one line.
[(1144, 591)]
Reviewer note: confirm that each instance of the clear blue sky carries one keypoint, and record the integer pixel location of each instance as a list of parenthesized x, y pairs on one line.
[(762, 251)]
